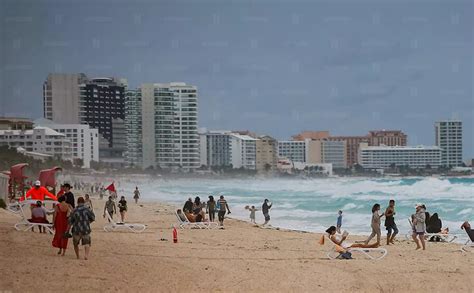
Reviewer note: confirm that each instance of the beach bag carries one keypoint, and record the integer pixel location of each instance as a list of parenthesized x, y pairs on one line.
[(345, 255)]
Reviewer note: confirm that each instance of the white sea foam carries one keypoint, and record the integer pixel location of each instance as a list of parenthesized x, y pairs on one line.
[(313, 204)]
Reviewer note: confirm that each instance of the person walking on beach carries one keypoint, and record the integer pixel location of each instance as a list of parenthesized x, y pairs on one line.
[(122, 205), (69, 195), (88, 202), (222, 209), (110, 207), (375, 224), (419, 226), (390, 222), (211, 208), (266, 211), (60, 221), (339, 222), (80, 220), (136, 194)]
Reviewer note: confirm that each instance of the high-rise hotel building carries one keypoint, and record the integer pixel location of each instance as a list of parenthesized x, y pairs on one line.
[(97, 102), (448, 136), (161, 126)]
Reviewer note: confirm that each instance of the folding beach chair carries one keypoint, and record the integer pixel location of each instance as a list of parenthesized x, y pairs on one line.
[(371, 253), (185, 223), (24, 224), (114, 226), (442, 237)]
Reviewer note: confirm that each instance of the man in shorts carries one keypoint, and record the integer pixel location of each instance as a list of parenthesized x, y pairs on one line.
[(222, 209), (80, 220), (390, 225)]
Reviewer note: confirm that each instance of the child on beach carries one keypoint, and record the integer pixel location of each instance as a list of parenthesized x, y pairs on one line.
[(339, 222), (375, 224), (252, 210)]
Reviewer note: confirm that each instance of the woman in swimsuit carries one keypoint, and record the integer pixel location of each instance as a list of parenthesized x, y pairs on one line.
[(339, 240)]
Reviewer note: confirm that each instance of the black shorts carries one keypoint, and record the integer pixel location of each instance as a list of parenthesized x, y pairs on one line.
[(221, 215), (267, 217)]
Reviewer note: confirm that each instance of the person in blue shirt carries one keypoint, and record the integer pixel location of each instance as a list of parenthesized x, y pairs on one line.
[(339, 222)]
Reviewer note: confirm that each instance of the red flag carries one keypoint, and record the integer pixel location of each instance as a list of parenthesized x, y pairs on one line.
[(111, 188)]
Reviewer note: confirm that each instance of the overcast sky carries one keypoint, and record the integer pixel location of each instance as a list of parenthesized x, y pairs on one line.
[(273, 67)]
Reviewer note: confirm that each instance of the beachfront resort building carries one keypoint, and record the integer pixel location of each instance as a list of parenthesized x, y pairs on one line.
[(266, 154), (97, 102), (448, 136), (84, 140), (373, 138), (384, 157), (40, 140), (166, 134), (318, 151), (243, 151), (215, 148)]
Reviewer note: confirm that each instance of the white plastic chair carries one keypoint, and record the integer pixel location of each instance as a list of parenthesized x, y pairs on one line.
[(371, 253), (199, 225), (24, 224), (113, 226)]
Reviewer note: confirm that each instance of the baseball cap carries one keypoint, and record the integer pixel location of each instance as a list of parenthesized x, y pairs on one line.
[(37, 183)]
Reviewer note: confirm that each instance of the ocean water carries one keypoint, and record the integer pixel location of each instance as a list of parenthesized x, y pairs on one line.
[(312, 204)]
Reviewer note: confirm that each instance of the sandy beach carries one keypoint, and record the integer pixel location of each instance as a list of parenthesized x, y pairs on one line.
[(240, 258)]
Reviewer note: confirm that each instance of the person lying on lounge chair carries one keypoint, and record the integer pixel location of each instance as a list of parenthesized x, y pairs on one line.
[(470, 232), (339, 240), (200, 217), (181, 215)]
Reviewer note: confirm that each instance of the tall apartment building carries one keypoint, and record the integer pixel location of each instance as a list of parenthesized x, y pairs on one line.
[(333, 152), (97, 102), (167, 134), (383, 157), (296, 151), (266, 153), (84, 140), (217, 148), (244, 151), (448, 136), (352, 147), (43, 140)]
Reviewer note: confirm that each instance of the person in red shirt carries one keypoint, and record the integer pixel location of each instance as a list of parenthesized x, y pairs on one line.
[(38, 192)]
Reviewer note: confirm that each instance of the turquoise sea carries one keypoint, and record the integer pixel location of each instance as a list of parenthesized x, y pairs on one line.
[(312, 204)]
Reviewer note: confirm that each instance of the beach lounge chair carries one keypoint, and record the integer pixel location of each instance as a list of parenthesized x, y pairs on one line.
[(114, 226), (24, 224), (468, 246), (442, 237), (185, 223), (371, 253)]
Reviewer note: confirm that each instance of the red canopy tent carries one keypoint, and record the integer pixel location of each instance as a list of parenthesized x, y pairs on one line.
[(17, 179), (47, 177)]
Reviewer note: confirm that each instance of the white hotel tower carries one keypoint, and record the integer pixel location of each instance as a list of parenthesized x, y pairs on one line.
[(448, 136), (161, 124)]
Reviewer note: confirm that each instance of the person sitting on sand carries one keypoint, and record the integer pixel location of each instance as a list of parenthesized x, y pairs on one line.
[(200, 217), (38, 215), (340, 240), (470, 232)]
